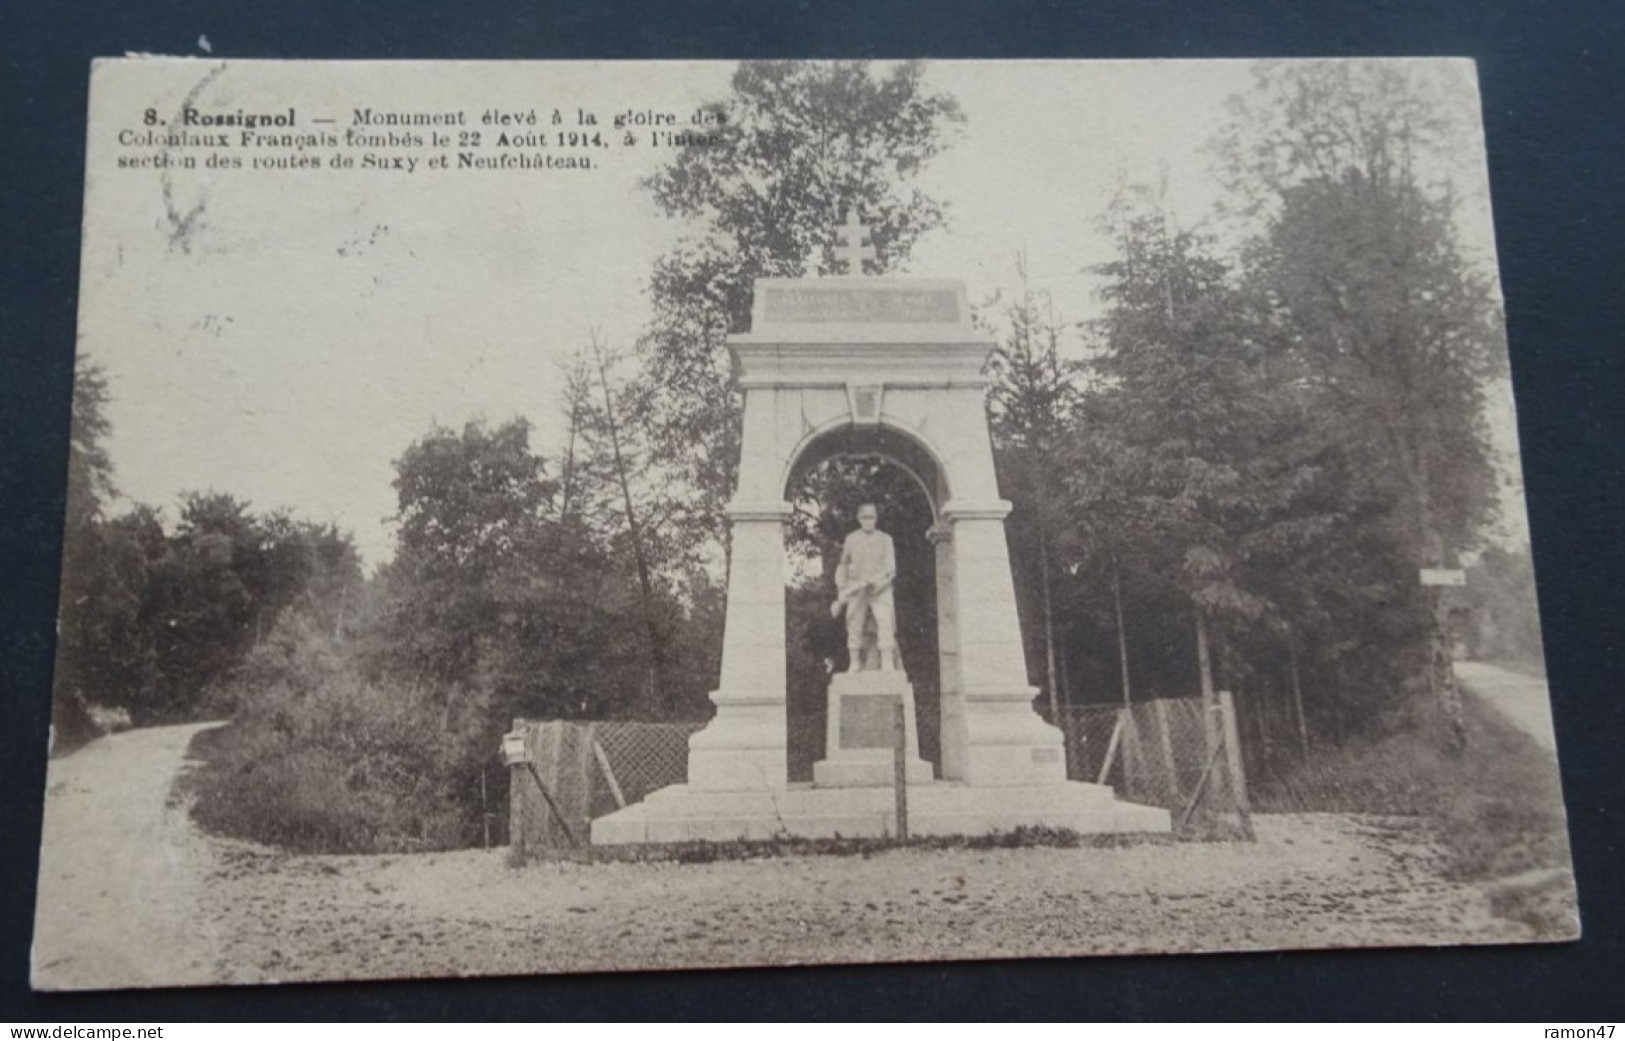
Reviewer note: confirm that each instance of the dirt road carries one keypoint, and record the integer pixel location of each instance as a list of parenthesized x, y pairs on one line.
[(1524, 700), (121, 870), (133, 895)]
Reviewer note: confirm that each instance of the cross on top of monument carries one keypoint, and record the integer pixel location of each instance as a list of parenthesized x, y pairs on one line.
[(852, 252)]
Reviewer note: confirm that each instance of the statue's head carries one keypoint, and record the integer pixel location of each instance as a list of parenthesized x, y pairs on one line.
[(868, 515)]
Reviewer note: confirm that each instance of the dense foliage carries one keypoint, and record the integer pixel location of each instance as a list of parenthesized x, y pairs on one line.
[(797, 147)]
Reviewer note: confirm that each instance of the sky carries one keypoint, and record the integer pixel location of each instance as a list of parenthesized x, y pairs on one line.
[(284, 336)]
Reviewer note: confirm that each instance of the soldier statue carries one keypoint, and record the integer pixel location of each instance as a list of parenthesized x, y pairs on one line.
[(863, 584)]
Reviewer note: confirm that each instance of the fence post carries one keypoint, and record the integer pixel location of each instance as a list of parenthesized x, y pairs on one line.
[(1297, 698), (485, 808), (1106, 761), (900, 768), (1201, 785), (1232, 753), (609, 774), (1165, 738), (547, 779), (586, 767), (516, 796)]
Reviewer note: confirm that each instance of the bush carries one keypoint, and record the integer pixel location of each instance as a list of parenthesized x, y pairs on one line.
[(320, 758)]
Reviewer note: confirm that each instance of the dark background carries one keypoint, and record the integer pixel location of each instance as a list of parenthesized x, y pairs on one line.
[(1552, 74)]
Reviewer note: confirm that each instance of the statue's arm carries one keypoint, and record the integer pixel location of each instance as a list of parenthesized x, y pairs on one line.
[(842, 591), (888, 567), (842, 569)]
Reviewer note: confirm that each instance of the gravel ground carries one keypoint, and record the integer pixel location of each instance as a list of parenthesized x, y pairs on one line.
[(132, 895), (1316, 880)]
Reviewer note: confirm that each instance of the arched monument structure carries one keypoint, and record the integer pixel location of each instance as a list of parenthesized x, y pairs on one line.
[(895, 367)]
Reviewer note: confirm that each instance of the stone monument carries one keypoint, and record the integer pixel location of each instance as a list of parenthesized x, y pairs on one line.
[(890, 367)]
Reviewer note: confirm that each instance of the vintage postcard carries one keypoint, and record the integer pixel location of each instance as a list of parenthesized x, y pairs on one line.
[(578, 516)]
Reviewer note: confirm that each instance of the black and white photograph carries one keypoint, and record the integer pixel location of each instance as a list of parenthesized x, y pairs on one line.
[(557, 517)]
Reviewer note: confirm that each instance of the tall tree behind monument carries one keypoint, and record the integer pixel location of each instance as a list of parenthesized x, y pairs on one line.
[(796, 145), (1032, 401), (1200, 423), (1395, 325)]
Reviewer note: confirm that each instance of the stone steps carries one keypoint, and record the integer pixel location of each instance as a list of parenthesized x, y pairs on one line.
[(676, 814)]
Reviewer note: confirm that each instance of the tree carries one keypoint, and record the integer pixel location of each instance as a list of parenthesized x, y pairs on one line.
[(90, 469), (1197, 468), (620, 460), (795, 146), (82, 624), (497, 604), (1394, 328), (1033, 398)]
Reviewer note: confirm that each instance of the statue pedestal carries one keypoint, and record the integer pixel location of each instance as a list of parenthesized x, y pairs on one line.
[(860, 747)]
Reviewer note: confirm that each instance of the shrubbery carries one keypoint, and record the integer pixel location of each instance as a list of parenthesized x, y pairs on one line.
[(323, 758)]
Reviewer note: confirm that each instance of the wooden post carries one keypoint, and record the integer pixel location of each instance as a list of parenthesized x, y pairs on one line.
[(1232, 751), (1111, 748), (1204, 663), (1133, 752), (1201, 785), (516, 797), (545, 770), (1297, 696), (1122, 637), (900, 768), (553, 807), (585, 767), (609, 775), (1259, 702), (1166, 740), (485, 809)]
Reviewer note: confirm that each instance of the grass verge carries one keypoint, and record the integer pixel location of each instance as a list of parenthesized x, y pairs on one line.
[(1497, 809)]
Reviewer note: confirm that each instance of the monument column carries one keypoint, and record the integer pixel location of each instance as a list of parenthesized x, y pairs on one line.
[(743, 747), (950, 700), (1006, 741)]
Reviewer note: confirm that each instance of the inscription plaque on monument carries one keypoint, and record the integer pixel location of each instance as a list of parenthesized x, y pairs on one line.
[(866, 721), (881, 304)]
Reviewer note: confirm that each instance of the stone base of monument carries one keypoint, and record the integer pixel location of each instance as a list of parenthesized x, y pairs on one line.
[(680, 814), (862, 735)]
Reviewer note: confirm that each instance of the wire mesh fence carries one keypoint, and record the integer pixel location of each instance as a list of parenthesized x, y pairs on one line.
[(1088, 730), (1169, 752), (575, 772), (638, 758)]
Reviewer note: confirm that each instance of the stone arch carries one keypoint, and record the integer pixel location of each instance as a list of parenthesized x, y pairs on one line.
[(924, 588), (896, 368), (899, 445)]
